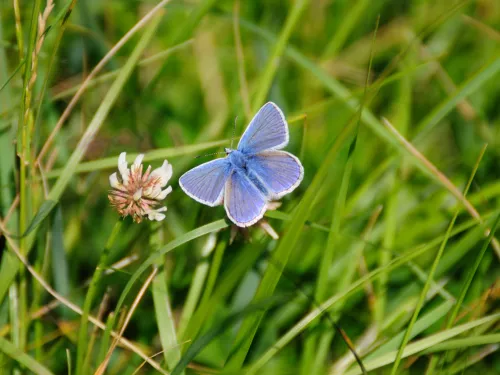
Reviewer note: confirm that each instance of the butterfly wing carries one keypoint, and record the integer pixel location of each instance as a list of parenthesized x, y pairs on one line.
[(279, 171), (267, 130), (205, 183), (244, 203)]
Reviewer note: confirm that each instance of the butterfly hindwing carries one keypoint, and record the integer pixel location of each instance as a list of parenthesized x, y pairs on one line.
[(244, 202), (279, 171), (267, 130), (206, 182)]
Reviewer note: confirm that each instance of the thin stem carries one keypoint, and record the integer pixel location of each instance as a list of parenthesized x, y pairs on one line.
[(19, 30), (104, 364), (101, 266), (23, 152)]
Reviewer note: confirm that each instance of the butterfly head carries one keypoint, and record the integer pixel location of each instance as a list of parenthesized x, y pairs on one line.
[(228, 150)]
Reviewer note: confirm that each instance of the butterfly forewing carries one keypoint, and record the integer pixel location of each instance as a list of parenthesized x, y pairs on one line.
[(205, 183), (244, 203), (279, 171), (267, 130)]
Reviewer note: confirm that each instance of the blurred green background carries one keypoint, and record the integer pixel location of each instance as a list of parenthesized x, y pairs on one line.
[(361, 232)]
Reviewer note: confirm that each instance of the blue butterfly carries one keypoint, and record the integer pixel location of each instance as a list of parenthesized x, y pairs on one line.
[(250, 176)]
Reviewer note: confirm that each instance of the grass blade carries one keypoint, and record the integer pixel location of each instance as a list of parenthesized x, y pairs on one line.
[(103, 111), (236, 270), (165, 319), (284, 248), (198, 283), (106, 77), (158, 154), (215, 331), (19, 66), (466, 285), (273, 62), (421, 324), (368, 118), (317, 312), (428, 282), (81, 367), (44, 210), (346, 27), (59, 258), (179, 36), (337, 216), (94, 126), (22, 358), (63, 17), (425, 344), (467, 342), (474, 83), (198, 232)]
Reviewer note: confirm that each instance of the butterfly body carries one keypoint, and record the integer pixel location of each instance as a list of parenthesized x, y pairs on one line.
[(238, 159), (250, 176)]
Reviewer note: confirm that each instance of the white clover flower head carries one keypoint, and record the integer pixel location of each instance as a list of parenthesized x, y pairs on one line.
[(139, 195)]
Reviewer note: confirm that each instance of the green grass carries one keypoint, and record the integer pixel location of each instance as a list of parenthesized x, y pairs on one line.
[(378, 239)]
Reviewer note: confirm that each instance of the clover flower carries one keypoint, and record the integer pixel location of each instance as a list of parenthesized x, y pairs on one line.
[(139, 195)]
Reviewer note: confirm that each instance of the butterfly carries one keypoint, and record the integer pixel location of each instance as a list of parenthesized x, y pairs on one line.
[(249, 177)]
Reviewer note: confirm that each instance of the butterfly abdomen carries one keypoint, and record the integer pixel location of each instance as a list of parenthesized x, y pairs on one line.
[(258, 183)]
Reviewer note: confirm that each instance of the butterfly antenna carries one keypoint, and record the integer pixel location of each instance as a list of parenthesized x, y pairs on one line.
[(213, 153), (234, 131)]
